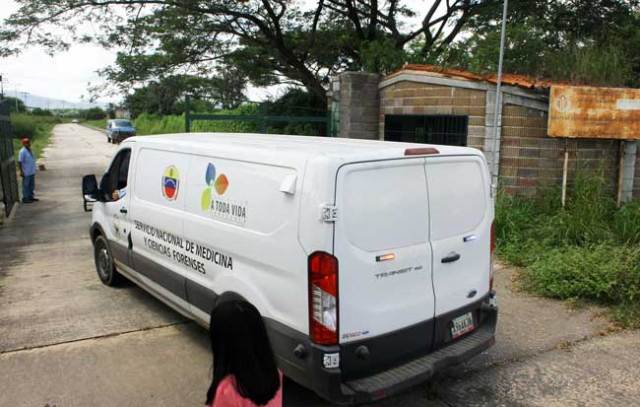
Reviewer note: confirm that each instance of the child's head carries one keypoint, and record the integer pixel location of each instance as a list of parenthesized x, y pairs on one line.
[(241, 348)]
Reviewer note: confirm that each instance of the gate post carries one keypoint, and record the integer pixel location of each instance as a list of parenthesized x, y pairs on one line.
[(187, 114), (354, 103), (8, 180)]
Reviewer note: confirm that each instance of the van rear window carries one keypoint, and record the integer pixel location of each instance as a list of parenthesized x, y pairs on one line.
[(384, 204), (457, 196)]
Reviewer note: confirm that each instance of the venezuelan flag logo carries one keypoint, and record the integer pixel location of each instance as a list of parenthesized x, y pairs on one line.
[(170, 182)]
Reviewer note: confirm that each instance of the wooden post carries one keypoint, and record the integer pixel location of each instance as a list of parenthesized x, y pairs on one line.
[(620, 174), (565, 170)]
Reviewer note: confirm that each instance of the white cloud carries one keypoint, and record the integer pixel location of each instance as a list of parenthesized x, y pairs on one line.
[(63, 76)]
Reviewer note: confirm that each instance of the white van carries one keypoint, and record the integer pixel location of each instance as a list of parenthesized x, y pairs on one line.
[(370, 261)]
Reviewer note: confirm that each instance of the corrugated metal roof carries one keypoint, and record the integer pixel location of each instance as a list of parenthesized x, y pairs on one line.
[(521, 81)]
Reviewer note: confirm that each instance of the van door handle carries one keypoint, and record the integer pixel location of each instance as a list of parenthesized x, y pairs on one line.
[(451, 257), (123, 210)]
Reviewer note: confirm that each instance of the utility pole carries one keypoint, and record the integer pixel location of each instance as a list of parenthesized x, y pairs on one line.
[(1, 88), (26, 107), (498, 107)]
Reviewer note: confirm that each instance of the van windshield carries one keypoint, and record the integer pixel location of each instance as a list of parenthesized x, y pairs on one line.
[(122, 123)]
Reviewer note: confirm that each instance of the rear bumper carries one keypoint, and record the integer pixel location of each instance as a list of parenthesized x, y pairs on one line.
[(307, 368), (421, 369)]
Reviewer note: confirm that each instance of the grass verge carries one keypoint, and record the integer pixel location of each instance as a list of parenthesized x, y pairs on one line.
[(589, 250), (147, 124), (37, 128), (100, 123)]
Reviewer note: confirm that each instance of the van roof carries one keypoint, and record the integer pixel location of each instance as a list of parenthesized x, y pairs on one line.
[(344, 148)]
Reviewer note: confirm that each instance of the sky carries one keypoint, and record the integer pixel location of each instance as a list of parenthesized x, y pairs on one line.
[(66, 75), (63, 76)]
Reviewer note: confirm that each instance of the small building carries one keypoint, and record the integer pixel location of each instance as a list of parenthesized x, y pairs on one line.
[(121, 113), (429, 104)]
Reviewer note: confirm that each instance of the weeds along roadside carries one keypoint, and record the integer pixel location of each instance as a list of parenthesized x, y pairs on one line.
[(37, 128), (148, 124), (589, 250)]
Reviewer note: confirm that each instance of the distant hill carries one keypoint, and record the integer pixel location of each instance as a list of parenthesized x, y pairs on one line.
[(43, 102)]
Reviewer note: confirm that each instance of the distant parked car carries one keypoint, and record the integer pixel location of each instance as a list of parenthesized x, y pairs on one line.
[(75, 121), (119, 129)]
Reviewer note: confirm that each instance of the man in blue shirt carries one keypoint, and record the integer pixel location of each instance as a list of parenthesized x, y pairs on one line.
[(27, 171)]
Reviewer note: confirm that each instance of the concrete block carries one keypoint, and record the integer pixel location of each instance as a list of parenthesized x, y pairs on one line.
[(471, 110), (475, 142), (527, 173), (476, 121), (530, 152)]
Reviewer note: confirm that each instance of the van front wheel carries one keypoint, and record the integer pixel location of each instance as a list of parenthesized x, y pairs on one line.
[(104, 263)]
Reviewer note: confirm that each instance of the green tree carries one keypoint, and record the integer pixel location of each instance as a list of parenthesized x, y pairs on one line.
[(296, 102), (41, 112), (594, 41), (94, 113), (166, 96), (15, 105), (266, 41), (111, 111)]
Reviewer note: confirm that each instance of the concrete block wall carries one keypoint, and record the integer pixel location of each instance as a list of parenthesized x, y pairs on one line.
[(529, 159), (414, 98)]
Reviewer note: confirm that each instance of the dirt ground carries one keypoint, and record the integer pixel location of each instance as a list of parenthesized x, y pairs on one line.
[(67, 340)]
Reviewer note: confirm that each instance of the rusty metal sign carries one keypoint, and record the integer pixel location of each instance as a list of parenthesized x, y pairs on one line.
[(589, 112)]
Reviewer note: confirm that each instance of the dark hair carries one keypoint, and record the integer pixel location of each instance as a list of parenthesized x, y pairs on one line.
[(241, 348)]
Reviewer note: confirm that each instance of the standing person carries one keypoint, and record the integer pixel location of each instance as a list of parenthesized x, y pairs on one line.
[(27, 171), (244, 368)]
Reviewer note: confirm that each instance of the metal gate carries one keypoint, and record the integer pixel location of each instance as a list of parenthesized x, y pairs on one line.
[(8, 181), (433, 129), (260, 123)]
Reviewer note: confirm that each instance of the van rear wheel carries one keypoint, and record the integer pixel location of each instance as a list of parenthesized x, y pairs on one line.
[(104, 263)]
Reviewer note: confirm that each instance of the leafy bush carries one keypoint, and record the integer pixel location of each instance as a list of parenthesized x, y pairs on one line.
[(604, 272), (25, 125), (36, 128), (94, 113), (294, 102), (626, 223), (147, 124), (99, 123), (588, 250)]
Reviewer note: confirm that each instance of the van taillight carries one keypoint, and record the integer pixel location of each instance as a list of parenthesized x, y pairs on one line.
[(323, 298), (491, 250)]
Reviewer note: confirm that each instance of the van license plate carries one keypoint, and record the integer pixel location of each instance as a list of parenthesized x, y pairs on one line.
[(462, 325)]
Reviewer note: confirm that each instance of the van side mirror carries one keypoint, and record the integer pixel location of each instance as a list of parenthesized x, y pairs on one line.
[(89, 191), (89, 185)]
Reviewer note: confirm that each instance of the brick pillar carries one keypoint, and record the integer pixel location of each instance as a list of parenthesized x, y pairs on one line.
[(354, 103)]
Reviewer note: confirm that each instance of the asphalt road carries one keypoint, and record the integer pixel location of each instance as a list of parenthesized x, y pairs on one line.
[(67, 340)]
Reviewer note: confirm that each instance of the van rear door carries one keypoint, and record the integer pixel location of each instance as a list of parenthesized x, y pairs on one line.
[(382, 246), (460, 221)]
